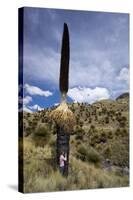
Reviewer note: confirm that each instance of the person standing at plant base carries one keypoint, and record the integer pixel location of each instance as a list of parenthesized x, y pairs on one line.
[(63, 159)]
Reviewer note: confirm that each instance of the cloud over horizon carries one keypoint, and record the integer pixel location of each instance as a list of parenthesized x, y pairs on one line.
[(124, 75), (25, 100), (33, 90), (88, 95), (36, 107), (99, 54)]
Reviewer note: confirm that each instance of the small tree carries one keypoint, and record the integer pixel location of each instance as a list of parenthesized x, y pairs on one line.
[(106, 119)]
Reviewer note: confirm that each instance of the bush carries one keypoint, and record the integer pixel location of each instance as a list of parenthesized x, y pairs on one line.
[(107, 152), (122, 124), (92, 127), (96, 118), (90, 120), (79, 137), (93, 156), (79, 133), (82, 151), (41, 135), (40, 176), (28, 131), (43, 120), (30, 123), (42, 131), (110, 135), (103, 137), (120, 153), (78, 142), (88, 154), (124, 132), (117, 132), (97, 138), (106, 120)]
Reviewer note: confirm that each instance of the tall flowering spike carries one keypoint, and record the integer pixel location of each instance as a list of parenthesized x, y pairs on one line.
[(62, 115), (64, 67)]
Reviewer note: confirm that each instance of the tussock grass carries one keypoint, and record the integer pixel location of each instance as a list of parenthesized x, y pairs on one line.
[(40, 176), (88, 154), (107, 141)]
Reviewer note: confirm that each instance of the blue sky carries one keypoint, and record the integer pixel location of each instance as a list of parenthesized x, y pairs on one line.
[(99, 56)]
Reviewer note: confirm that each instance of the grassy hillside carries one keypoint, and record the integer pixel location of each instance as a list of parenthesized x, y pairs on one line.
[(99, 148)]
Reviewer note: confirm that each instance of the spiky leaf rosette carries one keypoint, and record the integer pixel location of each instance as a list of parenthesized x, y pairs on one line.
[(63, 117)]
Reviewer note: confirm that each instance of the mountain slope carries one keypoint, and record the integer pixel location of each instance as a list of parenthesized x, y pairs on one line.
[(100, 138)]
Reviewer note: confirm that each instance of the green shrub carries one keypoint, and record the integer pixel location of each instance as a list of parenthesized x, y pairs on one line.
[(79, 137), (43, 120), (93, 156), (107, 152), (88, 154), (120, 153), (124, 132), (122, 124), (79, 133), (94, 139), (90, 120), (110, 135), (41, 135), (82, 150), (30, 123), (42, 131), (106, 119), (78, 142), (117, 132), (28, 131), (92, 127), (96, 118), (98, 137), (103, 137), (40, 175)]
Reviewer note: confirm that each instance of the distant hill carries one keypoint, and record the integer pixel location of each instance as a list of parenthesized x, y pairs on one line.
[(122, 96), (103, 125), (100, 137)]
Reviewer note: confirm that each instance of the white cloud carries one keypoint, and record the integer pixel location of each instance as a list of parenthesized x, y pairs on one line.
[(84, 94), (94, 61), (25, 109), (33, 90), (90, 65), (41, 64), (26, 100), (36, 107), (124, 75), (56, 104)]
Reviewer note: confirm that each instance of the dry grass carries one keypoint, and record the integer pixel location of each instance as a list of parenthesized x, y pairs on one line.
[(39, 176), (39, 173)]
